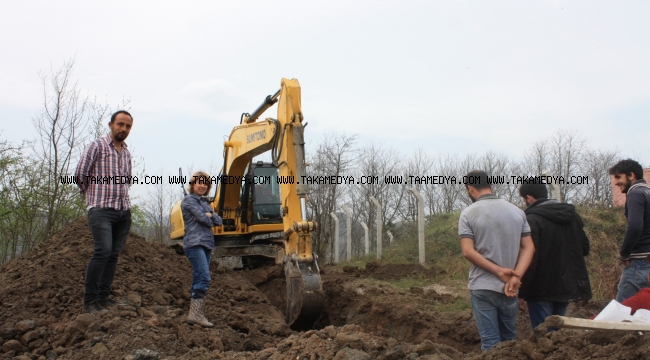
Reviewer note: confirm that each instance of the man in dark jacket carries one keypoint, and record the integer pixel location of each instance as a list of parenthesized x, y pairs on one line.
[(635, 249), (558, 273)]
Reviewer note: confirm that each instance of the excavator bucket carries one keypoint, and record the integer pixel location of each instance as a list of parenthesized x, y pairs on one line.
[(305, 297)]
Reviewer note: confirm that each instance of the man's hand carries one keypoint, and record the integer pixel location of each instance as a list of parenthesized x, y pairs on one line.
[(505, 274), (512, 285), (625, 263), (208, 214)]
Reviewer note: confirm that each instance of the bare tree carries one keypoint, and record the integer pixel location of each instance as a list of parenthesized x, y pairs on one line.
[(510, 191), (495, 165), (536, 159), (156, 208), (450, 195), (469, 163), (595, 165), (335, 156), (62, 130), (374, 163), (566, 149)]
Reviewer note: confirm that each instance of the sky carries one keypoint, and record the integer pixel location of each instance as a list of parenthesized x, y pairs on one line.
[(457, 77)]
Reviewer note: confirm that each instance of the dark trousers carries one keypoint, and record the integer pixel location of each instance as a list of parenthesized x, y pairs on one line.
[(109, 228)]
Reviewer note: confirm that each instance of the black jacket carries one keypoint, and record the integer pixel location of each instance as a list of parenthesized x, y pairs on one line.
[(558, 271), (636, 244)]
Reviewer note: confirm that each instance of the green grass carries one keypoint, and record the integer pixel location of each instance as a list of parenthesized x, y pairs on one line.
[(460, 304)]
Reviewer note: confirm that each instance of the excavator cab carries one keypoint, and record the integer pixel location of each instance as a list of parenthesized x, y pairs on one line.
[(266, 204), (260, 196)]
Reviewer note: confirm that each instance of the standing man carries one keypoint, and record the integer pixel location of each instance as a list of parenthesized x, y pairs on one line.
[(558, 273), (104, 178), (495, 238), (635, 249)]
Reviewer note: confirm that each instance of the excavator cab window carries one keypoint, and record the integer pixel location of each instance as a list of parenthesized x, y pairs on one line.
[(267, 206)]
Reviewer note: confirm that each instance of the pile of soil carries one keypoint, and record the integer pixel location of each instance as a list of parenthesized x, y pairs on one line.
[(364, 318), (41, 297)]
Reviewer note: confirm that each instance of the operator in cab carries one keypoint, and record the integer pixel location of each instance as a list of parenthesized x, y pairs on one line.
[(198, 243)]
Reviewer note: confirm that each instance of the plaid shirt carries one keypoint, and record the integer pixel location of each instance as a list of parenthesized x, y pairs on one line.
[(104, 175)]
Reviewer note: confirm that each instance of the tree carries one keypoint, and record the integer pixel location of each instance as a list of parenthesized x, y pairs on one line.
[(335, 156), (595, 164), (62, 130), (156, 208), (566, 150), (374, 162)]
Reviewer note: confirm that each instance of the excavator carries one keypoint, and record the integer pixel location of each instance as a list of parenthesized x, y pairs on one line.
[(263, 204)]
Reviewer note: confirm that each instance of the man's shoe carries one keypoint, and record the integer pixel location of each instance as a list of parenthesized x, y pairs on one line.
[(94, 309), (107, 303)]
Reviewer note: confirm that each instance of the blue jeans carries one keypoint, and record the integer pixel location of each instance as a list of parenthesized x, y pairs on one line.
[(109, 228), (633, 279), (495, 315), (538, 311), (199, 256)]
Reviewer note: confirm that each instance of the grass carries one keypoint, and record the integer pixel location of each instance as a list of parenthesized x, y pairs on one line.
[(460, 304)]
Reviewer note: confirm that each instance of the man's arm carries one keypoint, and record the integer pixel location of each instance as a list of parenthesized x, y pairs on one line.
[(536, 234), (526, 252), (130, 169), (635, 210), (85, 166), (473, 256), (584, 240)]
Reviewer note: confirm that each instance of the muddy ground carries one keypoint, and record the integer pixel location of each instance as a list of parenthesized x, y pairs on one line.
[(365, 318)]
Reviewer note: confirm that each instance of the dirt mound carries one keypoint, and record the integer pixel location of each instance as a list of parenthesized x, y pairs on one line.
[(381, 271), (572, 344), (41, 295)]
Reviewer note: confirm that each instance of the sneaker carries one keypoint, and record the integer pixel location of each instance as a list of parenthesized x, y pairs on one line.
[(94, 309), (107, 303)]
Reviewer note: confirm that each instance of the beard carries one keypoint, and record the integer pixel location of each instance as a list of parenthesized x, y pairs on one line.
[(121, 136)]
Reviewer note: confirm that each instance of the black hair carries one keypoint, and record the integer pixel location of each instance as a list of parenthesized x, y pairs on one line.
[(537, 191), (120, 112), (477, 179), (627, 167)]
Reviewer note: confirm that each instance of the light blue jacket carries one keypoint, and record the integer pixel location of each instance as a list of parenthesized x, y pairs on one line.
[(198, 226)]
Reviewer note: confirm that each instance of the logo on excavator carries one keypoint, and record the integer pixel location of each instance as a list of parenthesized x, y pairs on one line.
[(256, 136)]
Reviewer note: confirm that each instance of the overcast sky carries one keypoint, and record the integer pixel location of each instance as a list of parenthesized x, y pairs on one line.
[(448, 76)]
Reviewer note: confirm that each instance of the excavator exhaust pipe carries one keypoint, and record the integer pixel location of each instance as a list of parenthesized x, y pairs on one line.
[(305, 296)]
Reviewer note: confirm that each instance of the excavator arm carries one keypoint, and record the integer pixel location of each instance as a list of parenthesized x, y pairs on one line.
[(284, 137)]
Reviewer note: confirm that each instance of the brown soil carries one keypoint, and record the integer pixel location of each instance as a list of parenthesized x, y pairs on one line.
[(364, 318)]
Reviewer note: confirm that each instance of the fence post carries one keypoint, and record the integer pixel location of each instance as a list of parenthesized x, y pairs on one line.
[(415, 192), (348, 230), (365, 237), (379, 225), (390, 237), (336, 236)]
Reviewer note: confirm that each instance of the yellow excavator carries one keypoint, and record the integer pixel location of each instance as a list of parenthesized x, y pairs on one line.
[(263, 205)]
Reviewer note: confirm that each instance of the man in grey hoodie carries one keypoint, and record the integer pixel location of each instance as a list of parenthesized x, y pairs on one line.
[(558, 273)]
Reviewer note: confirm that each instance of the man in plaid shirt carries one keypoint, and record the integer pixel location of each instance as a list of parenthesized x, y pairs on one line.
[(104, 177)]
